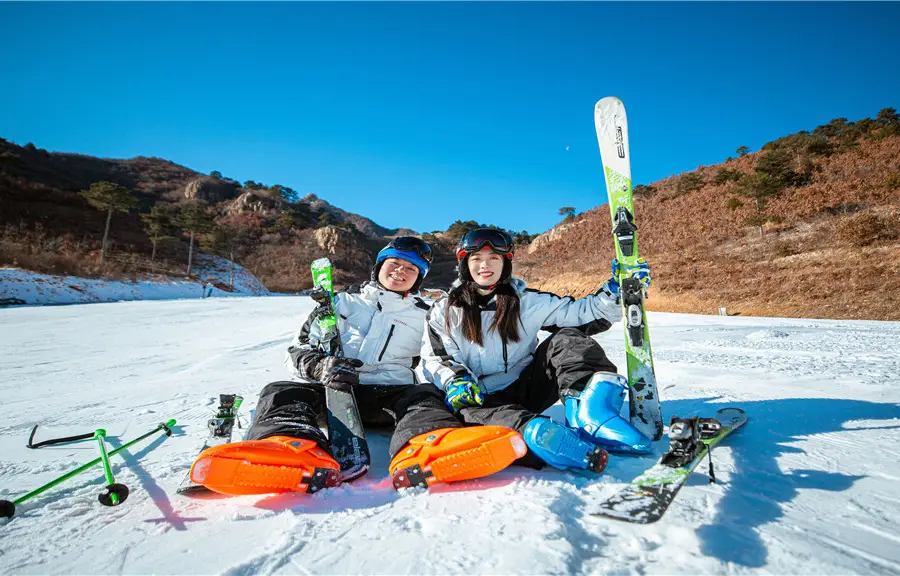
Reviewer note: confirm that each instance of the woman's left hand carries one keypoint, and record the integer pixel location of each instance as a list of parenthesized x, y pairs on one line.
[(640, 270)]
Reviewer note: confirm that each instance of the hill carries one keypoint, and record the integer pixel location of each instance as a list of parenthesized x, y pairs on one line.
[(808, 226), (822, 241)]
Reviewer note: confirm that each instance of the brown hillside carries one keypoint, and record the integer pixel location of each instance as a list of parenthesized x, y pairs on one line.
[(46, 226), (831, 248), (828, 202)]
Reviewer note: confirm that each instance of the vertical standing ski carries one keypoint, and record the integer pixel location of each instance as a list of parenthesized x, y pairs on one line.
[(345, 429), (612, 135), (220, 429)]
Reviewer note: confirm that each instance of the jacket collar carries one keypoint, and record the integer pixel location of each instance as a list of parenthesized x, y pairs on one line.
[(385, 299)]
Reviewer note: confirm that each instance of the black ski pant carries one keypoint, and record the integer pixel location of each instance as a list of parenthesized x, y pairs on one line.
[(297, 409), (563, 363)]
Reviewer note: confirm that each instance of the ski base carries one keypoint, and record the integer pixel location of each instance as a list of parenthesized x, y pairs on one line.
[(346, 434)]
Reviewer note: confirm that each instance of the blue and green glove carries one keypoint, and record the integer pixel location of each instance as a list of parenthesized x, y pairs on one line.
[(640, 270), (463, 392)]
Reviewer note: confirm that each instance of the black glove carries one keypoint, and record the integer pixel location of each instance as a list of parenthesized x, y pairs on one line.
[(306, 360), (338, 373)]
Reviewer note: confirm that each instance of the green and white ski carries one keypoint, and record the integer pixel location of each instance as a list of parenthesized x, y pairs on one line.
[(649, 495), (345, 429), (612, 136), (220, 432)]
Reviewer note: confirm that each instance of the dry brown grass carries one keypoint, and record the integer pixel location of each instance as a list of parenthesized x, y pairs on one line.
[(46, 253), (833, 250)]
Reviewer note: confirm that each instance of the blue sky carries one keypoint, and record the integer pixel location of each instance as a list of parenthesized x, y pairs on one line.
[(418, 114)]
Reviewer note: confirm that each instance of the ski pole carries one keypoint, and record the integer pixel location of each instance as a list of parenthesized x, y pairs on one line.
[(7, 508), (114, 494)]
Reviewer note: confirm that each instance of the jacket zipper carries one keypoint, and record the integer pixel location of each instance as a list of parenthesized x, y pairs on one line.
[(383, 350)]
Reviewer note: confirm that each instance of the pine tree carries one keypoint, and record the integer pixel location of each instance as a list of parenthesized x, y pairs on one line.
[(158, 226), (112, 198), (194, 218)]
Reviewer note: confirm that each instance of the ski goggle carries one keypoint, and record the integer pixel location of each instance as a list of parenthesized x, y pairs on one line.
[(413, 244), (476, 240)]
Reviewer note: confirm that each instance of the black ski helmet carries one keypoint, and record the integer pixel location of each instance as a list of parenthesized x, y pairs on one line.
[(475, 240)]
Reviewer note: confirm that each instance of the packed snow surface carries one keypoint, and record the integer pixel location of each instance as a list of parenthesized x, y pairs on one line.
[(808, 486)]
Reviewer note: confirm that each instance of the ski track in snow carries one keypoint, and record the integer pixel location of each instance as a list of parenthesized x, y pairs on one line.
[(808, 486)]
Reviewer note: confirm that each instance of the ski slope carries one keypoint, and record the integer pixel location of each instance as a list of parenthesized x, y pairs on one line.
[(810, 486)]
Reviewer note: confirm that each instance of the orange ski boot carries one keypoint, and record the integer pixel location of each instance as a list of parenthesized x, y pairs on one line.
[(452, 454), (274, 464)]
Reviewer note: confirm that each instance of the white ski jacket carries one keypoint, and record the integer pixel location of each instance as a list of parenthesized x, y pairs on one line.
[(448, 354), (379, 327)]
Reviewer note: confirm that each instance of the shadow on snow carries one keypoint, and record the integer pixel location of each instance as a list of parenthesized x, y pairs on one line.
[(758, 488)]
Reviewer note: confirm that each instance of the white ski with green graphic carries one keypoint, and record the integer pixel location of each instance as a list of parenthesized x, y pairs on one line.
[(612, 136), (649, 495), (345, 429)]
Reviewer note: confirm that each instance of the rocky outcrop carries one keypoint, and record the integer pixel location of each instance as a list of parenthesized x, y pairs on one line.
[(364, 225), (209, 190), (551, 235), (344, 248), (250, 202)]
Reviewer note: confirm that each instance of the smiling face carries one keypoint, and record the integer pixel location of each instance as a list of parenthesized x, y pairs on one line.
[(397, 275), (486, 267)]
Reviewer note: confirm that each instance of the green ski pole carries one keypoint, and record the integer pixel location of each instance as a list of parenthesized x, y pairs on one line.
[(114, 494), (7, 508)]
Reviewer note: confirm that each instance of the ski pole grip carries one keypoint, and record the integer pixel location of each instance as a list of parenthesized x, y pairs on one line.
[(52, 441), (167, 426)]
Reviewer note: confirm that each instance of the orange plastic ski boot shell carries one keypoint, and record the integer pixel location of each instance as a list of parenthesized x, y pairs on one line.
[(271, 465), (453, 454)]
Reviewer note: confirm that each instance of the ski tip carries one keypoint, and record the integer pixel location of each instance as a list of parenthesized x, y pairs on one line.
[(608, 101), (194, 490), (731, 409), (732, 416)]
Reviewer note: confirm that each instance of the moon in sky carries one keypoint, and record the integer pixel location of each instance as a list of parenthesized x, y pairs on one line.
[(567, 148)]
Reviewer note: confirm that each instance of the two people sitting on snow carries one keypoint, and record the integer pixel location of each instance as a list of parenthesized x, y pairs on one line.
[(462, 381)]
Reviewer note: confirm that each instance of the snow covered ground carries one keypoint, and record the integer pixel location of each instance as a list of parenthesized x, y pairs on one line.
[(810, 486), (26, 287)]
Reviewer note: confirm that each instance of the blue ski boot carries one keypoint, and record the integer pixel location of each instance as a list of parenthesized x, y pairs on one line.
[(595, 411), (562, 447)]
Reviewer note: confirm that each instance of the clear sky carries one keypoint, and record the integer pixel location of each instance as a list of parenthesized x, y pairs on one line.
[(418, 114)]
